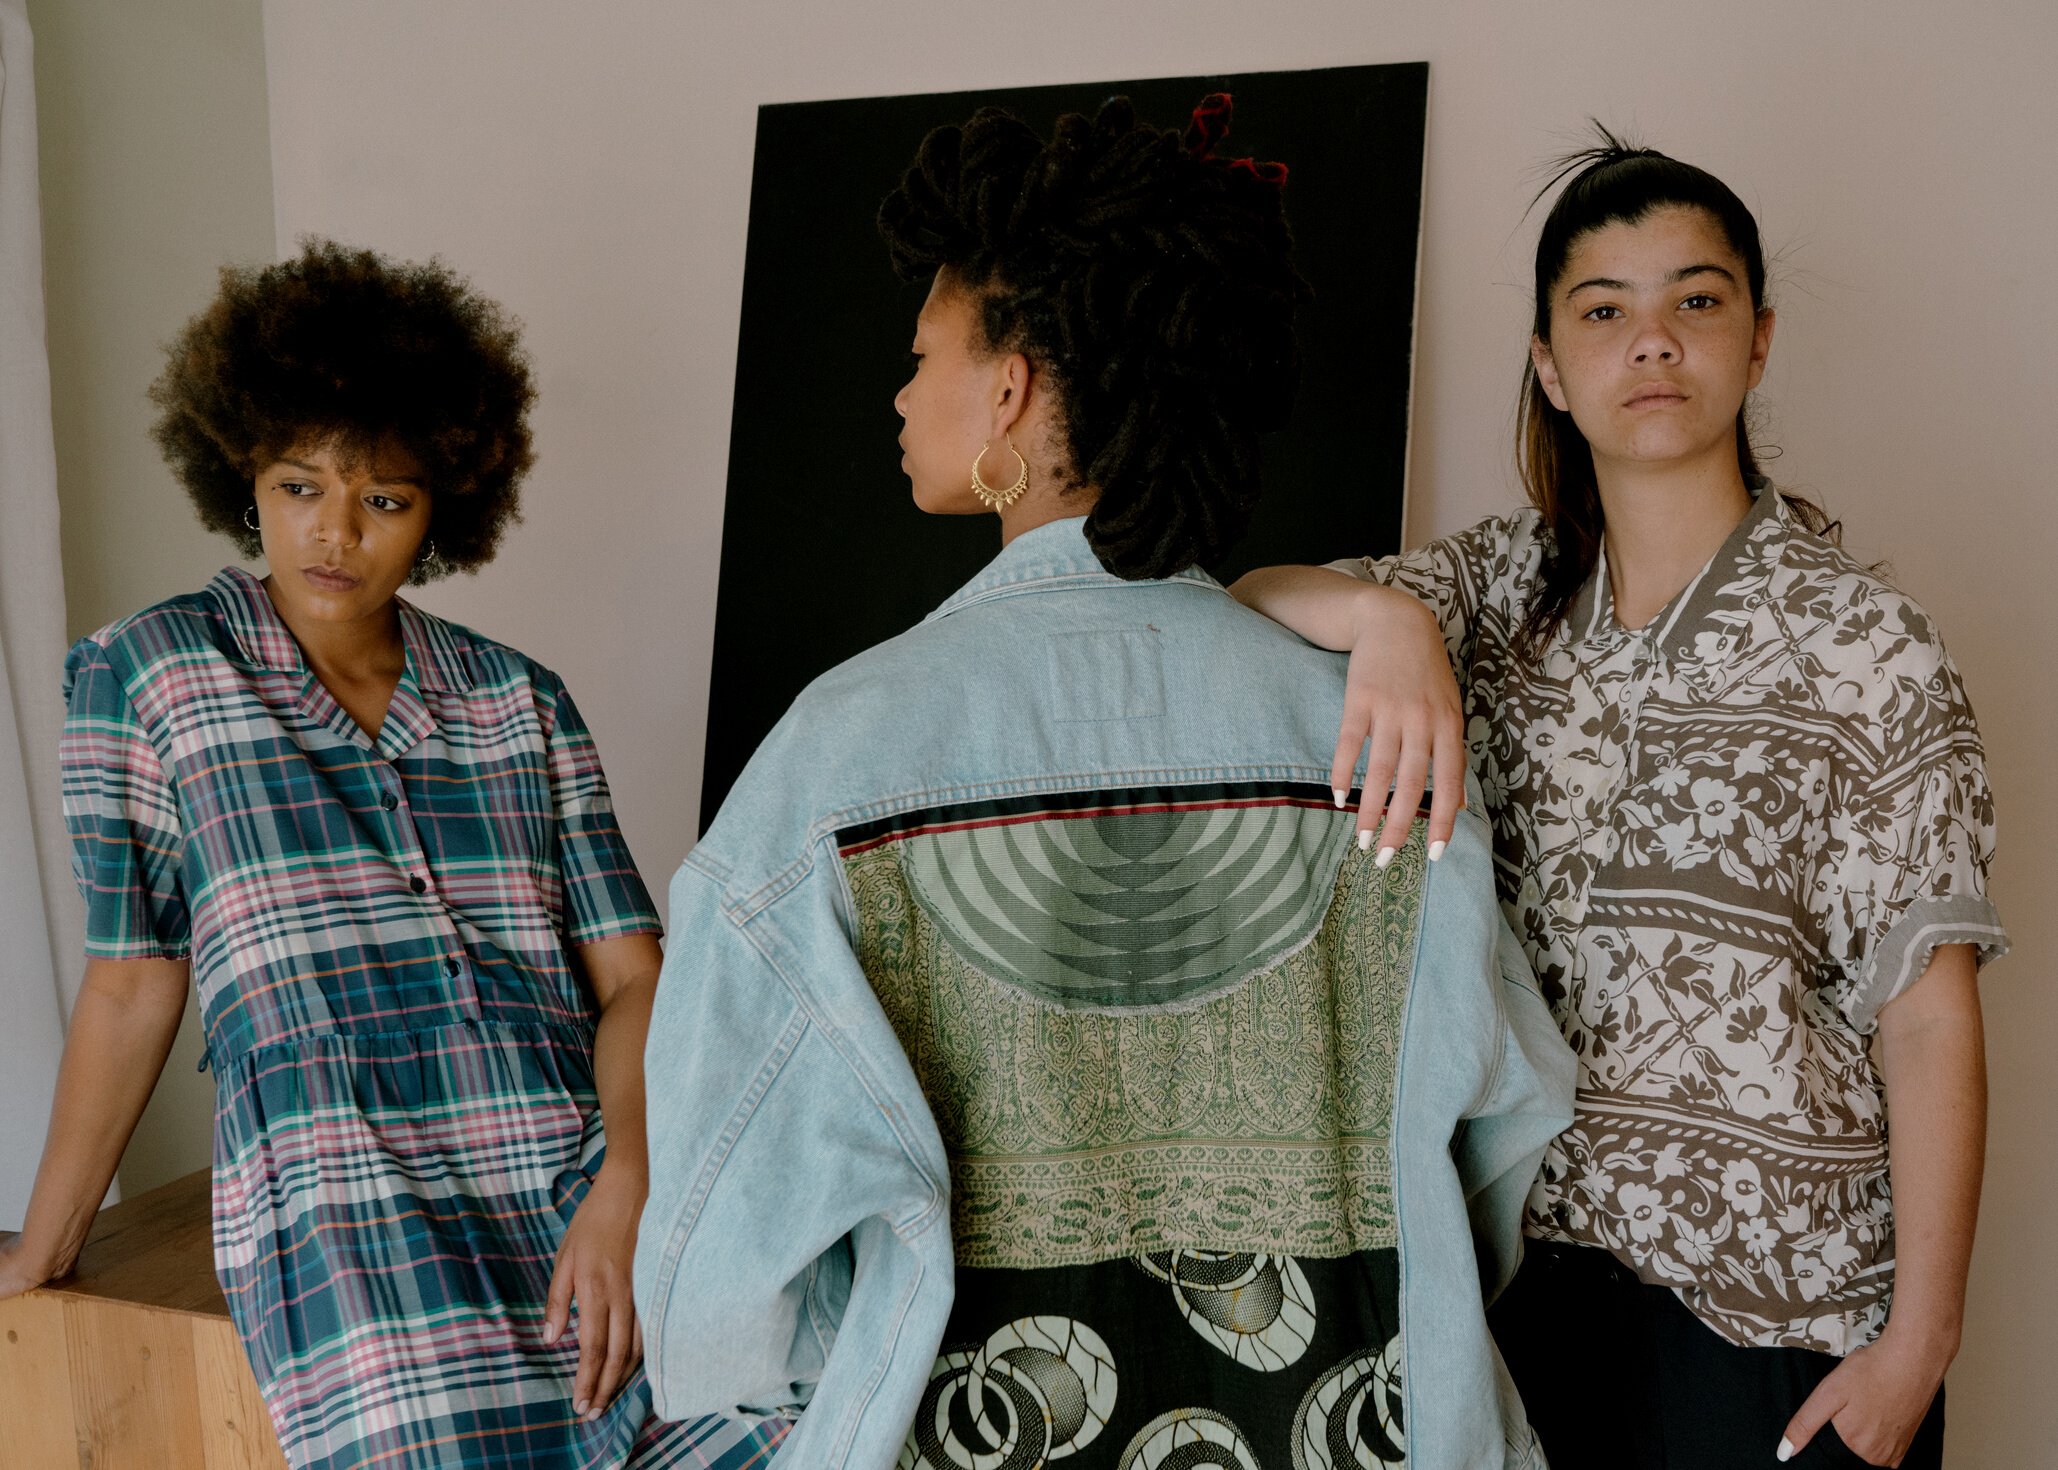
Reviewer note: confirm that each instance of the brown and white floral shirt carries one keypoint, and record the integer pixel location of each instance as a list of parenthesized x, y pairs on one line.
[(1726, 840)]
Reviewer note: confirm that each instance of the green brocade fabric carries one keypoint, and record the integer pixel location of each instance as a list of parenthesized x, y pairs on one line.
[(1111, 1079)]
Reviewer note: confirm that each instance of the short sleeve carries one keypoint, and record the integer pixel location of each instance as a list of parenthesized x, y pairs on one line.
[(604, 895), (1457, 578), (122, 815), (1917, 837)]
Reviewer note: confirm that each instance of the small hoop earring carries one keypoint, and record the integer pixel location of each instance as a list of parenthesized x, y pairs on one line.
[(429, 563), (249, 517), (1000, 499)]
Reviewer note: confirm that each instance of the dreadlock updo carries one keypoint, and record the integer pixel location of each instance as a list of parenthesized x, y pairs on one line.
[(1149, 281)]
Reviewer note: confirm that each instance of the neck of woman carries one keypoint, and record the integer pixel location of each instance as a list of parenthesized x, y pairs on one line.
[(366, 648), (1664, 522)]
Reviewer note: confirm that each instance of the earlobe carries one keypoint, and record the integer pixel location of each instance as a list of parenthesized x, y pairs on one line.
[(1761, 346), (1547, 373)]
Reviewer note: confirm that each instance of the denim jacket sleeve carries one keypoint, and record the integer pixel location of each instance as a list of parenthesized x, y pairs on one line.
[(1486, 1081), (795, 1249), (1529, 1101)]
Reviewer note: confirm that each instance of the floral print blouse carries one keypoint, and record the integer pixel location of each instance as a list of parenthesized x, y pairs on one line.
[(1726, 839)]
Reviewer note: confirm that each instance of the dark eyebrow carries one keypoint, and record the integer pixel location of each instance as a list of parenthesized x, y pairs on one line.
[(408, 480), (1609, 283)]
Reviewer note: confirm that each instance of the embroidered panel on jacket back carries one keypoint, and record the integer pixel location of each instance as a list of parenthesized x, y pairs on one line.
[(1159, 1031)]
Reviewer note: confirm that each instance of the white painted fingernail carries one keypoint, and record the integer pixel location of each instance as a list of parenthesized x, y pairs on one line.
[(1385, 857), (1341, 796), (1364, 842), (1436, 850), (1785, 1451)]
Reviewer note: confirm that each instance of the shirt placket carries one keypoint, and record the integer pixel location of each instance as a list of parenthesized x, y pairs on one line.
[(1619, 683), (410, 854)]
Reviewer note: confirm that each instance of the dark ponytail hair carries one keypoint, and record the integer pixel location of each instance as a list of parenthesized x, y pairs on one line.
[(1611, 182), (1150, 281)]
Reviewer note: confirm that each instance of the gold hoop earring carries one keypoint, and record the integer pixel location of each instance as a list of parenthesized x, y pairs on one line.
[(999, 499)]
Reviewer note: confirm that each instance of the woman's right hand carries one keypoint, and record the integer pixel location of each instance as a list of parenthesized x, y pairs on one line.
[(23, 1269), (1401, 708)]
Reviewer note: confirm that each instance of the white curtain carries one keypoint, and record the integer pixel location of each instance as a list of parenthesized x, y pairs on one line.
[(38, 917)]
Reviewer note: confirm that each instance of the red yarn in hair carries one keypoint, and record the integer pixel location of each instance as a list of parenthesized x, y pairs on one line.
[(1210, 125)]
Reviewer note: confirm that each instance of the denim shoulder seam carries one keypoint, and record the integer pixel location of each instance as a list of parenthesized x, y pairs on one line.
[(698, 860), (853, 1058)]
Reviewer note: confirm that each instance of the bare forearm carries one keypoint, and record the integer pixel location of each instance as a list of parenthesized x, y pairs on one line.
[(1327, 608), (121, 1030), (623, 973), (1932, 1058)]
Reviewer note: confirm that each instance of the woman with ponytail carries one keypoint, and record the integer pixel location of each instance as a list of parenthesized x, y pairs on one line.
[(1030, 1083), (1742, 826), (1137, 293)]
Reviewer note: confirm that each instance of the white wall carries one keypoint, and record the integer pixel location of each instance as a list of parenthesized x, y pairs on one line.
[(155, 170), (590, 166)]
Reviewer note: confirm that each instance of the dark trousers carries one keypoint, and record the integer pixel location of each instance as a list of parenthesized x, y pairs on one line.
[(1619, 1374)]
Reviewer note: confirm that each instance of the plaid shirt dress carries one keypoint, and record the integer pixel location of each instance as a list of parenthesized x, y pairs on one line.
[(405, 1109)]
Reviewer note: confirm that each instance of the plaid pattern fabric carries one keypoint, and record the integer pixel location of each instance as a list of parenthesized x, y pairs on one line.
[(406, 1115)]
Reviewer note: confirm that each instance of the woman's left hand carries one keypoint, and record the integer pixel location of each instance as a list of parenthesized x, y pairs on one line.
[(593, 1269), (1876, 1398)]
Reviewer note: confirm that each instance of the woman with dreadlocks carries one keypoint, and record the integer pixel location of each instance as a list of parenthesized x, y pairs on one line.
[(1742, 824), (1029, 1001)]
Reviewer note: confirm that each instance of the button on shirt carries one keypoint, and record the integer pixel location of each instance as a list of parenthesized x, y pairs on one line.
[(1726, 839)]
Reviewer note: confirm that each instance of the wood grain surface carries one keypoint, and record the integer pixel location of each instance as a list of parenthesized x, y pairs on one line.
[(131, 1362)]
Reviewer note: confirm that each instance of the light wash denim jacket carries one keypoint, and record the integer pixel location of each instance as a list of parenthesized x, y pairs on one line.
[(1036, 1055)]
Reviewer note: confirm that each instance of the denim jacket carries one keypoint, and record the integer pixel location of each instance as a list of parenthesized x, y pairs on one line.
[(1037, 1061)]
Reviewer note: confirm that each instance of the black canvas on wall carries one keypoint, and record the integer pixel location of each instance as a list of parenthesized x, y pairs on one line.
[(823, 551)]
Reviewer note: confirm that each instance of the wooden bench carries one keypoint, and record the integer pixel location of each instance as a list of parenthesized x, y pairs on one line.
[(131, 1360)]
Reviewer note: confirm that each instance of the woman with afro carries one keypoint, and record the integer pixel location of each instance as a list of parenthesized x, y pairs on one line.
[(382, 847)]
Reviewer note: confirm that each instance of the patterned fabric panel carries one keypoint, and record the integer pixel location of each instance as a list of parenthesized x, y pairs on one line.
[(1170, 1360), (1156, 1019), (1149, 908)]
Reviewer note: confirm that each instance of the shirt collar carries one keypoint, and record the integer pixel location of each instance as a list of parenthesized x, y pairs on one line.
[(438, 653), (1052, 556), (1690, 630)]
